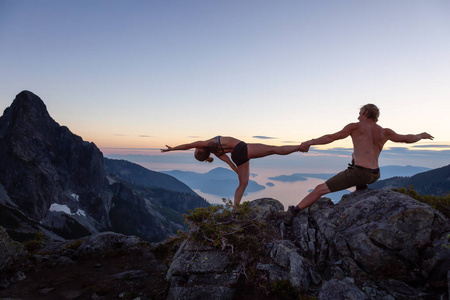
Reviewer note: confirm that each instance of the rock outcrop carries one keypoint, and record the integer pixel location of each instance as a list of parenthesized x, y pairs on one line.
[(54, 182), (44, 164), (102, 266), (371, 245), (12, 256)]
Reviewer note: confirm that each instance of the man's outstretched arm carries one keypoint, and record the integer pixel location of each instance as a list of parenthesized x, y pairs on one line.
[(329, 138), (406, 138)]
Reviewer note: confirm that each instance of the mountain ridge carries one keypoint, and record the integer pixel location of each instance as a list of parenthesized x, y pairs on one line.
[(218, 181), (54, 182), (433, 182)]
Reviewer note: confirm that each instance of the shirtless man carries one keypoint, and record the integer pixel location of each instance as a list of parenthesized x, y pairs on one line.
[(368, 140)]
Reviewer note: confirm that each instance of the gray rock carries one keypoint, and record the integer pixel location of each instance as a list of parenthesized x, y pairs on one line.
[(130, 275), (200, 293), (299, 272), (267, 208), (340, 290), (199, 262), (101, 243), (381, 231), (11, 251), (448, 284), (400, 290), (436, 262), (335, 252)]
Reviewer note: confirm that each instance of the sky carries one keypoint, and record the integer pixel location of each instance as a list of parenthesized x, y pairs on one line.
[(134, 76)]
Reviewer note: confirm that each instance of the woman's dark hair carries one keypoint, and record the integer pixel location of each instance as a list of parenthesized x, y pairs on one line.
[(203, 155)]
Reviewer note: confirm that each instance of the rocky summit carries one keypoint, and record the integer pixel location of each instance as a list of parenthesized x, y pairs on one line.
[(371, 245)]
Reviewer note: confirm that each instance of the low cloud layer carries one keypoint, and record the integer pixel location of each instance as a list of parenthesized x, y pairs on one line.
[(330, 160), (262, 137)]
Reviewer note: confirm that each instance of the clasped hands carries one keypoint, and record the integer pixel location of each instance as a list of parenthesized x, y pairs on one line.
[(304, 147)]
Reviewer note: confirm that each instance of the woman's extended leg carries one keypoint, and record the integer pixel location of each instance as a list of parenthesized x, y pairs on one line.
[(261, 150), (243, 175)]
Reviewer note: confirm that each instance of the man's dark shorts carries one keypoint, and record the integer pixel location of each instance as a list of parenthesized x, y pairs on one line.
[(240, 154), (353, 176)]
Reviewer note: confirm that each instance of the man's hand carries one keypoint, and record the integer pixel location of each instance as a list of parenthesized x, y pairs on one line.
[(166, 150), (425, 135), (304, 147)]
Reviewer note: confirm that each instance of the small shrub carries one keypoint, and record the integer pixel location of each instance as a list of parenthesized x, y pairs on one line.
[(32, 246), (282, 289), (74, 245), (221, 227)]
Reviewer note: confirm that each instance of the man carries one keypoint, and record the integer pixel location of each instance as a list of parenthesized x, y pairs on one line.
[(368, 140)]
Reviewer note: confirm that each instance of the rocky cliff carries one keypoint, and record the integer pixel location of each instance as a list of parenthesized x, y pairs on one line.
[(371, 245), (54, 182), (43, 167)]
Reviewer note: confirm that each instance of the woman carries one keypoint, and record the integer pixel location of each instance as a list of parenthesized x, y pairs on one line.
[(241, 153)]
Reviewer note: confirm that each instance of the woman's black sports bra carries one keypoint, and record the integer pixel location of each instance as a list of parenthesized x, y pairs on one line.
[(216, 148)]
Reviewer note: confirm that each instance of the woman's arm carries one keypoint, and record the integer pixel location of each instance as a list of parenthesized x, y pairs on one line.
[(198, 144), (226, 159)]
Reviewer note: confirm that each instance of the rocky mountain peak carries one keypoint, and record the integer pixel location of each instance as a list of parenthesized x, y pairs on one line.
[(25, 113), (53, 182), (43, 163), (30, 104)]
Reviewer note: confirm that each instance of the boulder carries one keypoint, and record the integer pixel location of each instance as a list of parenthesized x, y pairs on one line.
[(371, 245), (12, 256), (11, 251), (106, 242)]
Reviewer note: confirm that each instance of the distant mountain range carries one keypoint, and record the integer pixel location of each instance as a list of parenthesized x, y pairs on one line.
[(385, 172), (140, 176), (165, 191), (222, 182), (434, 182), (51, 181), (219, 181)]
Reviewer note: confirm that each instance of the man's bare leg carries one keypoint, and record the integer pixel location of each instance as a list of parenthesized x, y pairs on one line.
[(309, 200), (315, 195)]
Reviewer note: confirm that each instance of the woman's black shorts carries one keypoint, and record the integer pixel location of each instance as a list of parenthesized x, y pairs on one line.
[(239, 155)]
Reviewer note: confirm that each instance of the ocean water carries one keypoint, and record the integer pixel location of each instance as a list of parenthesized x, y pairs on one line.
[(288, 193)]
